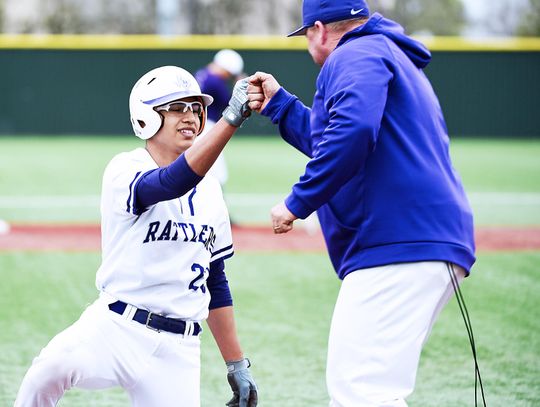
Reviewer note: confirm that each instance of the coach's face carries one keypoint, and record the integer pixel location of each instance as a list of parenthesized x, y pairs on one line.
[(181, 124)]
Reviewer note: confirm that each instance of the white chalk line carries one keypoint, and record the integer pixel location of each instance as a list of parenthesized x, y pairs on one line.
[(243, 200)]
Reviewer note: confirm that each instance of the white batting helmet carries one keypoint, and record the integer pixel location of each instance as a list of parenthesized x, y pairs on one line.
[(229, 60), (158, 87)]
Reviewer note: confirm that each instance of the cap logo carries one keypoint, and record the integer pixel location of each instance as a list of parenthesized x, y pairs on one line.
[(183, 83), (355, 12)]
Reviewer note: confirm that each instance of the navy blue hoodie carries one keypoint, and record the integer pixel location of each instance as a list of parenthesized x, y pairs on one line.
[(380, 175)]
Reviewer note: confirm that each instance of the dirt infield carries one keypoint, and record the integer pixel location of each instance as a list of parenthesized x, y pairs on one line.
[(246, 238)]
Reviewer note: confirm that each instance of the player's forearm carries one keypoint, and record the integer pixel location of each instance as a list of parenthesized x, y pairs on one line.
[(203, 154), (221, 323)]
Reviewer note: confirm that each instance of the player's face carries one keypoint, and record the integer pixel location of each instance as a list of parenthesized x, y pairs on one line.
[(181, 124)]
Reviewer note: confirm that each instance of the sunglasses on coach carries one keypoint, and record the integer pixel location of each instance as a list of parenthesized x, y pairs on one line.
[(182, 107)]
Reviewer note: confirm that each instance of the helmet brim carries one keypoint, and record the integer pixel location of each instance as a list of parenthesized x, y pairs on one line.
[(207, 99)]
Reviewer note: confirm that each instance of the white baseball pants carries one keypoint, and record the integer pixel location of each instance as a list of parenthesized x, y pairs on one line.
[(382, 318), (102, 349)]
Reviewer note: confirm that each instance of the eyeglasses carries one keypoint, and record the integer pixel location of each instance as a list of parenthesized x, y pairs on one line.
[(182, 107)]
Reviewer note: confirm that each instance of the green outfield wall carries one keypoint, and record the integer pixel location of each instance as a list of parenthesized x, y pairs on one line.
[(80, 84)]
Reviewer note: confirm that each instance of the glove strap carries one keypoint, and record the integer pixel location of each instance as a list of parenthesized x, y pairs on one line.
[(236, 365), (233, 118)]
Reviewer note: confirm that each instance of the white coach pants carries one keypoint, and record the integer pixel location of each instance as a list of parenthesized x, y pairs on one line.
[(382, 318), (102, 349)]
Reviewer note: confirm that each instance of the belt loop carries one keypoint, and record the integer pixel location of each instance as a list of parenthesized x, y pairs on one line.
[(129, 312), (190, 328)]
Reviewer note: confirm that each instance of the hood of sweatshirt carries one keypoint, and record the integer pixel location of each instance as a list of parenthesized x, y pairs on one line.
[(377, 24)]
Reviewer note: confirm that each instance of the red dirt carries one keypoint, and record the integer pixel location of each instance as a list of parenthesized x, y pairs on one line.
[(246, 238)]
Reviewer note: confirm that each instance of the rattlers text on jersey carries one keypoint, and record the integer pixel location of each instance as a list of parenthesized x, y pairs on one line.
[(171, 242)]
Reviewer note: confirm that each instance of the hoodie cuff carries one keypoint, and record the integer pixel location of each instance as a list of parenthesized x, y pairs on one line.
[(278, 105), (298, 207)]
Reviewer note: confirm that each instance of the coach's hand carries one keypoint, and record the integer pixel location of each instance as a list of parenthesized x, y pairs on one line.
[(282, 218), (242, 384), (238, 109), (262, 87)]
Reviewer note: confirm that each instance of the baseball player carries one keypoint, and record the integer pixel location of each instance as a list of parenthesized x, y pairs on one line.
[(214, 79), (393, 211), (165, 236)]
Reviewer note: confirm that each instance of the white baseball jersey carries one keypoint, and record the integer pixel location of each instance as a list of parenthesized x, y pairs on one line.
[(159, 260)]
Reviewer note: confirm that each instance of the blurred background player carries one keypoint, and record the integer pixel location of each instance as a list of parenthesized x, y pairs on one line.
[(165, 235), (216, 80)]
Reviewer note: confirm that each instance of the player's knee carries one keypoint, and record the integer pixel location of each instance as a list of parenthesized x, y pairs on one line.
[(49, 376)]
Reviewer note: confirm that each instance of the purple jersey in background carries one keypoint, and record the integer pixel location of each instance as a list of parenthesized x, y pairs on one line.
[(216, 86)]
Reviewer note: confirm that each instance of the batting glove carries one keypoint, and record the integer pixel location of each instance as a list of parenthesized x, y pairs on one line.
[(238, 109), (242, 384)]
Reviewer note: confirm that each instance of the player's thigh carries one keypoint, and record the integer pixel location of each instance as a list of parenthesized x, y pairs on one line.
[(76, 356), (172, 377)]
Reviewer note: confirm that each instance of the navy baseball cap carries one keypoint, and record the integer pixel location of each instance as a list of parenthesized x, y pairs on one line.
[(328, 11)]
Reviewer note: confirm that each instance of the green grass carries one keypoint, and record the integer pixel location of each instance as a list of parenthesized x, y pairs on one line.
[(498, 165), (283, 301), (74, 165), (502, 177), (503, 302), (283, 306), (57, 165)]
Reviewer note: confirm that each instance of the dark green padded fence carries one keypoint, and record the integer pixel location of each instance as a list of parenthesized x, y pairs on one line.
[(85, 91)]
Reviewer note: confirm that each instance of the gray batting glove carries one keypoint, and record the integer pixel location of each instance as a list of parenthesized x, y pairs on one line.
[(242, 384), (238, 109)]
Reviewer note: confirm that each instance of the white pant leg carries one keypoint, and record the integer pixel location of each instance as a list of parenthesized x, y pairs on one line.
[(382, 318), (172, 377), (70, 359), (102, 349)]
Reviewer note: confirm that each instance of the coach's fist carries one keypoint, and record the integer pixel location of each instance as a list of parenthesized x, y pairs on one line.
[(242, 384), (282, 218), (262, 87)]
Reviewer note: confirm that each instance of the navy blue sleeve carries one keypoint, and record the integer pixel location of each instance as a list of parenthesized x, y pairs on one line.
[(218, 286), (163, 184)]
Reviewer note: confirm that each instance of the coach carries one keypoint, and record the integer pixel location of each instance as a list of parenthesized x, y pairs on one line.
[(396, 221)]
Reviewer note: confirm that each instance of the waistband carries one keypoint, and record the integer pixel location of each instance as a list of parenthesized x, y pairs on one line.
[(155, 322)]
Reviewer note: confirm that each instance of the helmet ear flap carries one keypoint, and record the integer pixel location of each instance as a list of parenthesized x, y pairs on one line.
[(144, 119)]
